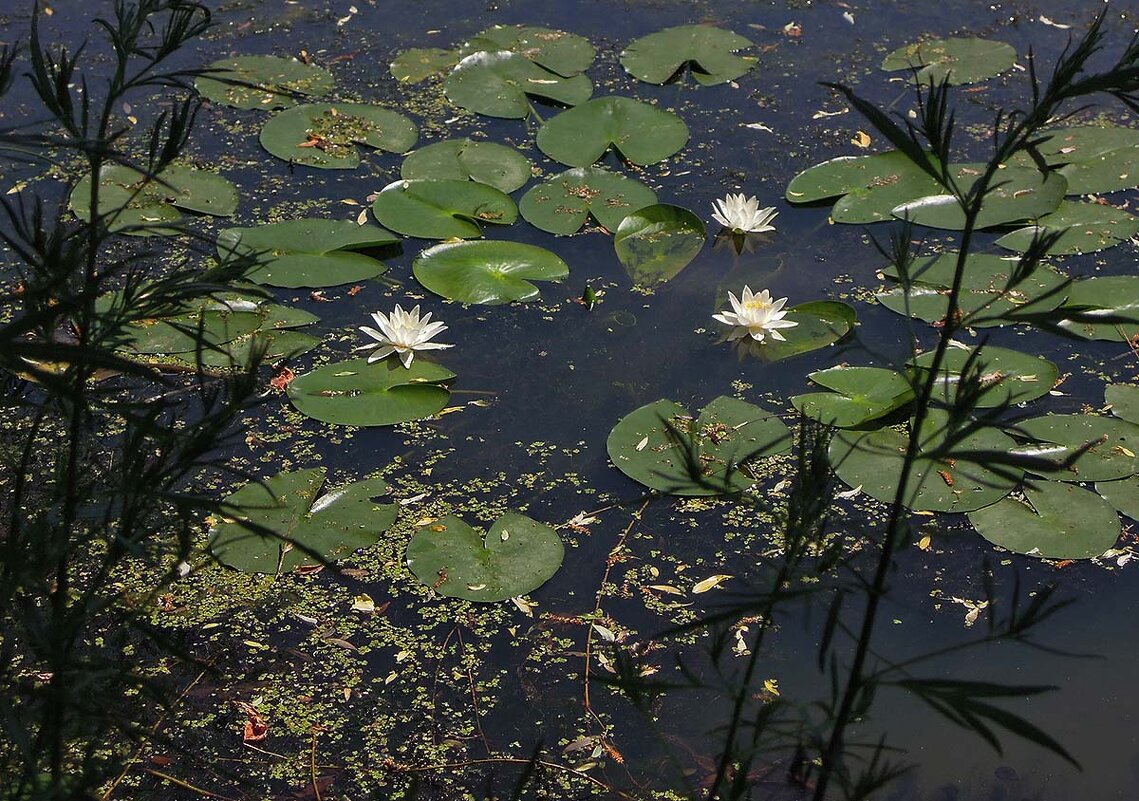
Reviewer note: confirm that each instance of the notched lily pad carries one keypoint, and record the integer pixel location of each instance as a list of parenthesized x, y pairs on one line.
[(641, 133), (564, 53), (487, 272), (517, 556), (1123, 400), (858, 395), (498, 84), (958, 61), (382, 393), (326, 135), (563, 203), (1107, 446), (264, 82), (656, 242), (1102, 307), (431, 209), (1016, 193), (871, 186), (708, 50), (419, 63), (136, 205), (333, 525), (489, 163), (663, 447), (1083, 228), (1007, 376)]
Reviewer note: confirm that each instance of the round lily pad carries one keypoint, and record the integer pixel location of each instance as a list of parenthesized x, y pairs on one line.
[(1123, 400), (858, 395), (307, 253), (1008, 376), (710, 51), (357, 393), (1113, 171), (656, 242), (489, 163), (564, 53), (264, 82), (137, 205), (517, 556), (1122, 494), (871, 186), (326, 135), (1109, 446), (641, 133), (487, 272), (1083, 228), (986, 299), (1016, 193), (958, 61), (1052, 521), (420, 63), (563, 204), (820, 323), (941, 481), (498, 84), (431, 209), (333, 525), (1102, 307), (663, 447)]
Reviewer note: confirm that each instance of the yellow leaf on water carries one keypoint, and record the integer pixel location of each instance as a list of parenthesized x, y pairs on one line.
[(363, 603), (666, 588), (709, 583)]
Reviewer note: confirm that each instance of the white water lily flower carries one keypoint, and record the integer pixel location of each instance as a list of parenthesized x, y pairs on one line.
[(756, 315), (743, 216), (403, 333)]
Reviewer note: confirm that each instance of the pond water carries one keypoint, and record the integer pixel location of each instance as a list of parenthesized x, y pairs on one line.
[(428, 684)]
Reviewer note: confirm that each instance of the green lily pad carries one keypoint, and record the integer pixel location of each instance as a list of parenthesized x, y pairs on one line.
[(264, 82), (498, 84), (1123, 400), (420, 63), (326, 135), (1114, 444), (517, 556), (656, 242), (859, 395), (1081, 143), (641, 133), (1083, 228), (489, 163), (1113, 171), (1017, 193), (940, 482), (1052, 521), (1008, 376), (1122, 494), (442, 209), (356, 393), (663, 447), (985, 299), (333, 525), (139, 205), (871, 186), (1112, 298), (958, 60), (820, 323), (563, 204), (563, 53), (487, 272), (709, 51), (307, 253)]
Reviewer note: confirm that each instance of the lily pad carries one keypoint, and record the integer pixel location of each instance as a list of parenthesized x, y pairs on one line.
[(641, 133), (442, 209), (1083, 228), (307, 253), (940, 481), (1008, 376), (487, 272), (1112, 299), (985, 299), (1114, 444), (958, 61), (517, 556), (1113, 171), (1122, 494), (1052, 521), (498, 84), (859, 395), (334, 525), (382, 393), (563, 204), (872, 186), (564, 53), (656, 242), (1124, 401), (1083, 143), (489, 163), (264, 82), (1017, 193), (140, 206), (708, 50), (420, 63), (663, 447), (326, 135), (820, 323)]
